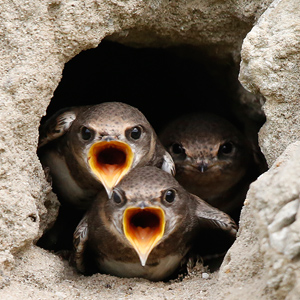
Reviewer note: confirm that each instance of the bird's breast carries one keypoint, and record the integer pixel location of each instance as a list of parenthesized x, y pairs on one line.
[(64, 184), (207, 185), (164, 268)]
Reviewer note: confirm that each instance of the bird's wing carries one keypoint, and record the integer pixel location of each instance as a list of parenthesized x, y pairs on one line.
[(163, 159), (214, 230), (80, 238), (168, 164), (57, 125)]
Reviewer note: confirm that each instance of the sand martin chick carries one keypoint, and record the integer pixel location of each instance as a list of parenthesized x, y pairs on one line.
[(213, 159), (149, 228), (88, 147)]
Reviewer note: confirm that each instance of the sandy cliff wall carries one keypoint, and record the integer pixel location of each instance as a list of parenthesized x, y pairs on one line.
[(39, 37)]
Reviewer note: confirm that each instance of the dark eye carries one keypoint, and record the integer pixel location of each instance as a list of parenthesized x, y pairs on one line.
[(86, 133), (226, 148), (135, 132), (117, 197), (177, 149), (170, 196)]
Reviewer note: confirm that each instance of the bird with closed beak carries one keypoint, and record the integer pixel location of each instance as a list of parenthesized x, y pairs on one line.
[(213, 159), (149, 228)]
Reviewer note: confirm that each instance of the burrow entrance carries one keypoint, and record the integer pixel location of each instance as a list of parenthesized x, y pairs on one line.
[(162, 83)]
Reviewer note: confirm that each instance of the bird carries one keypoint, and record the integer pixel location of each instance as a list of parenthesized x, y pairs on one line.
[(213, 159), (88, 148), (150, 228)]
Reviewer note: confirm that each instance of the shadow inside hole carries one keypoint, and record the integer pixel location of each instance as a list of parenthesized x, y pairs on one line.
[(162, 83)]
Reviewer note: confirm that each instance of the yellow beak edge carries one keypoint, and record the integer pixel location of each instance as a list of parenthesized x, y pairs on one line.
[(144, 228), (110, 161)]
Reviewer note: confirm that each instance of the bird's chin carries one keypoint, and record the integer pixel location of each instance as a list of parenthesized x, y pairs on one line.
[(110, 162), (144, 228), (190, 176), (190, 169)]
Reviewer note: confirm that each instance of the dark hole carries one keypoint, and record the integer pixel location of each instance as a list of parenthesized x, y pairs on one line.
[(33, 217), (162, 83), (111, 156), (145, 219)]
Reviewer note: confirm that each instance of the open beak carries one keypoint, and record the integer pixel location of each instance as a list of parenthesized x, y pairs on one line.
[(144, 228), (110, 161)]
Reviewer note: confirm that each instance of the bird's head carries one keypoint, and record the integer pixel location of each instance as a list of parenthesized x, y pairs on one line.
[(145, 208), (110, 139), (208, 147)]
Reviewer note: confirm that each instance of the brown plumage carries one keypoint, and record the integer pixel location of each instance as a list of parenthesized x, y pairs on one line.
[(90, 148), (149, 228), (213, 159)]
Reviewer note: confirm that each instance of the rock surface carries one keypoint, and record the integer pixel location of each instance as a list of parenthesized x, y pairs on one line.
[(39, 37), (276, 199), (211, 24), (271, 67)]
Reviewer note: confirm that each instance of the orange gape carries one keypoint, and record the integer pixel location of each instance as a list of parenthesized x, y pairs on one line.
[(110, 161), (144, 228)]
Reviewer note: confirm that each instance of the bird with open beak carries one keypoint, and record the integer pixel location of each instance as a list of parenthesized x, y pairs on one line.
[(213, 159), (87, 148), (149, 228)]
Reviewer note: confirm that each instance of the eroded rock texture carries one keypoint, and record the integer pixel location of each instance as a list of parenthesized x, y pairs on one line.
[(39, 37), (276, 209), (271, 67)]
